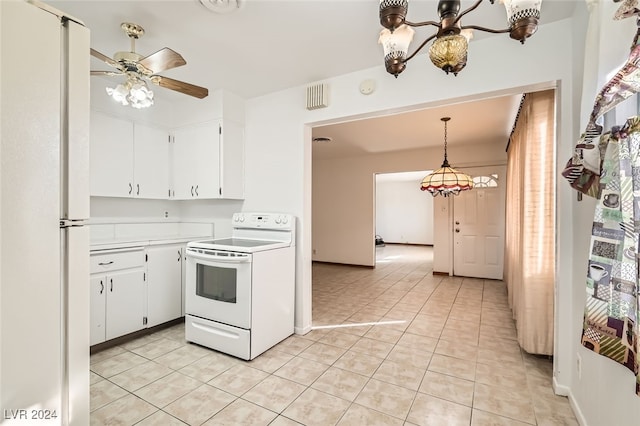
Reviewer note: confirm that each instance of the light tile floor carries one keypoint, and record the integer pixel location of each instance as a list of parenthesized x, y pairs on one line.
[(444, 354)]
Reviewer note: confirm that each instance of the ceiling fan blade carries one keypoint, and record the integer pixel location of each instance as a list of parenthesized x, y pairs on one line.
[(180, 86), (109, 73), (162, 60), (105, 58)]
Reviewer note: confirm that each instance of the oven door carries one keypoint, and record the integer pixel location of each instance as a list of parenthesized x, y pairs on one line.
[(218, 286)]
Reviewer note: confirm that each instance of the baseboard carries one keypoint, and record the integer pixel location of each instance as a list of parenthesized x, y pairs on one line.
[(563, 390), (559, 389), (440, 273), (577, 411), (302, 330), (132, 336), (343, 264), (408, 244)]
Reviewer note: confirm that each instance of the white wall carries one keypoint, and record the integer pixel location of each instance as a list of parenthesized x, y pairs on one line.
[(404, 213)]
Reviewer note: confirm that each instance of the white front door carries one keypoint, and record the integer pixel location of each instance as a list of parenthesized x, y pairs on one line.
[(478, 227)]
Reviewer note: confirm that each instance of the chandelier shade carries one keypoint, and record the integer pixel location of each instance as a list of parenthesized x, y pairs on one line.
[(395, 46), (446, 180), (449, 51)]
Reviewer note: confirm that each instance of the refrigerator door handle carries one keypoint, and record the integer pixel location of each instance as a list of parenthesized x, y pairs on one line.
[(72, 223)]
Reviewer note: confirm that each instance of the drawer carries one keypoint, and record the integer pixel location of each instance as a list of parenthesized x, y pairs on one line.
[(221, 337), (116, 260)]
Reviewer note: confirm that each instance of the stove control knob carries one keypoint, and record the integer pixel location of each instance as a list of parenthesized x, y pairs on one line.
[(235, 218), (278, 220), (241, 218), (285, 219)]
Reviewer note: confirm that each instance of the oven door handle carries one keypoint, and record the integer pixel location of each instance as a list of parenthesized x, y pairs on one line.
[(213, 258)]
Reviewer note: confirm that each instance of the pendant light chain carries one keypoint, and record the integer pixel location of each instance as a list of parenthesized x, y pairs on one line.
[(445, 141)]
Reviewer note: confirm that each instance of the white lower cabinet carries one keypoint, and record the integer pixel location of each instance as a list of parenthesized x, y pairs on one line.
[(117, 300), (164, 284), (98, 306), (125, 303)]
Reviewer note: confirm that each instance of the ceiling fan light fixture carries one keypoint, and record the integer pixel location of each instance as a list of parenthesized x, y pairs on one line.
[(134, 92), (139, 70), (119, 94)]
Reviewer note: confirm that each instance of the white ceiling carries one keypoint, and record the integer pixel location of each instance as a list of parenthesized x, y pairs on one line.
[(271, 45), (483, 121)]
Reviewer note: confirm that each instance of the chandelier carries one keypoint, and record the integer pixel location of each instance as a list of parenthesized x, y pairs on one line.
[(446, 180), (449, 49), (134, 92)]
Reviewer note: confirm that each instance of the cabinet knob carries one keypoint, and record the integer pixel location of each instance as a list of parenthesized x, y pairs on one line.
[(137, 189), (179, 256), (111, 280), (101, 287), (192, 190), (197, 191), (130, 188)]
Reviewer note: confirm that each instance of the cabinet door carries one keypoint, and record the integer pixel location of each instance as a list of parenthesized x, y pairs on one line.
[(125, 302), (98, 297), (232, 160), (164, 284), (185, 161), (208, 161), (151, 162), (111, 153)]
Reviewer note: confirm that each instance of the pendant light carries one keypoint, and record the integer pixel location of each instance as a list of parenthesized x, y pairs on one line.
[(446, 180)]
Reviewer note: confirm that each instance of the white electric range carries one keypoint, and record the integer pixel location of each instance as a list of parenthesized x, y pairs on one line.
[(240, 291)]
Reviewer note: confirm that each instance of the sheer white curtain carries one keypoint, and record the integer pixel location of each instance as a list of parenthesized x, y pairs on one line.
[(530, 222)]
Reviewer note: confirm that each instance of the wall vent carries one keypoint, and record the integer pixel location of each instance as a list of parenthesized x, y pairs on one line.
[(317, 96)]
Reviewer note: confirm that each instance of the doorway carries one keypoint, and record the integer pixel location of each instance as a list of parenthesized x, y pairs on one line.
[(403, 213)]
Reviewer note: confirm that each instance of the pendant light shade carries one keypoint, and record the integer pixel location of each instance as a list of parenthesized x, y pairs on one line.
[(446, 180)]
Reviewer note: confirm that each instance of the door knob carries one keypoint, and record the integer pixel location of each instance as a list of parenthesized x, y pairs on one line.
[(457, 230)]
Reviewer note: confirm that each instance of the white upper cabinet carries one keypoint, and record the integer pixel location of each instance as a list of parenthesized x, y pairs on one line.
[(208, 161), (127, 159), (111, 151), (232, 160), (151, 162)]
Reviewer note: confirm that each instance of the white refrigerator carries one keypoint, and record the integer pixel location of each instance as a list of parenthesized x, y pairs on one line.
[(44, 203)]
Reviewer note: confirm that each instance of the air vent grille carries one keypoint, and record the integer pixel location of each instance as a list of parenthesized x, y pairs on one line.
[(317, 96)]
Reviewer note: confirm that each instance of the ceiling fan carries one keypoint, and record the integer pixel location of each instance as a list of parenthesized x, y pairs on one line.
[(140, 68)]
